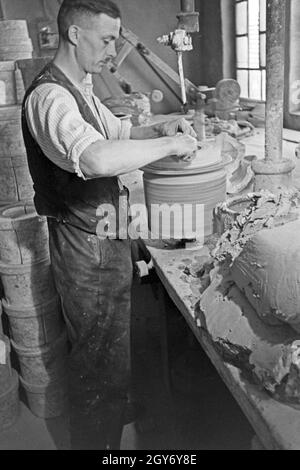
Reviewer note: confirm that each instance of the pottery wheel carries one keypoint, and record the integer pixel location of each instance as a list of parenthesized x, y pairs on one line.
[(208, 158)]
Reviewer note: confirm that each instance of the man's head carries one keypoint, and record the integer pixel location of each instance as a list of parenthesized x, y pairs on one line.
[(91, 27)]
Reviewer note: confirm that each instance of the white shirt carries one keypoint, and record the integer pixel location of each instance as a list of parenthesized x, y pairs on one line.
[(56, 124)]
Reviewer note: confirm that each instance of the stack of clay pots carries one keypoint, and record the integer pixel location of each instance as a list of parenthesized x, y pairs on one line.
[(15, 42), (31, 303), (30, 300), (9, 384), (15, 180)]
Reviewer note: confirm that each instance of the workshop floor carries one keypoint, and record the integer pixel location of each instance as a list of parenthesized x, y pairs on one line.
[(199, 413)]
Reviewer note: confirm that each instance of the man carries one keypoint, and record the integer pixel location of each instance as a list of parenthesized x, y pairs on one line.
[(76, 150)]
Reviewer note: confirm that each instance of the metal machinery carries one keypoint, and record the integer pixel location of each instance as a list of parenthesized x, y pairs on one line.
[(181, 40)]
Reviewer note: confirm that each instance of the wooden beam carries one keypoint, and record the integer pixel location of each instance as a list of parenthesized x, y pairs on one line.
[(124, 52)]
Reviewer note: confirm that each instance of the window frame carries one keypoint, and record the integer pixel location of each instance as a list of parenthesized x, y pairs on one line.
[(248, 69), (291, 120)]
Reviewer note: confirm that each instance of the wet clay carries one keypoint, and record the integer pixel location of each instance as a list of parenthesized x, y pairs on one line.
[(268, 272), (257, 256)]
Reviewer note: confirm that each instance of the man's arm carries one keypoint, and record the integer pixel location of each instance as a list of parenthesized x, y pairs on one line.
[(117, 157), (75, 146), (168, 128)]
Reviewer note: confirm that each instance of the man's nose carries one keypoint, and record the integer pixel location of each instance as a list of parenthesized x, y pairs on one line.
[(112, 50)]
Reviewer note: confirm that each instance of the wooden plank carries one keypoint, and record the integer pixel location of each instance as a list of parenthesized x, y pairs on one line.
[(124, 52), (276, 424)]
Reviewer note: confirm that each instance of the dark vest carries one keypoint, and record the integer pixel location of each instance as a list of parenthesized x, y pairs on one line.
[(59, 193)]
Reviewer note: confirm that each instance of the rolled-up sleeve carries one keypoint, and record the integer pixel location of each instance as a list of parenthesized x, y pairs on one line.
[(118, 129), (56, 124), (125, 130)]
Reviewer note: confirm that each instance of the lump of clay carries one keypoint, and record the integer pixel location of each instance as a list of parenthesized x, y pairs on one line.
[(258, 211), (277, 367), (268, 272)]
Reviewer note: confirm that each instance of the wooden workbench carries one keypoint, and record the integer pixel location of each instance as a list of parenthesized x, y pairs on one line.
[(277, 425)]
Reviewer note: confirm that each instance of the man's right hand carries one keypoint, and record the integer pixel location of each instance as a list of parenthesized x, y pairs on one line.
[(185, 146)]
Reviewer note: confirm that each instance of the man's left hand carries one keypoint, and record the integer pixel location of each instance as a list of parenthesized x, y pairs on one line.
[(176, 126)]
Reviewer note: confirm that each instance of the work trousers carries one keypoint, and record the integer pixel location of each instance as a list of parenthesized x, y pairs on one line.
[(93, 278)]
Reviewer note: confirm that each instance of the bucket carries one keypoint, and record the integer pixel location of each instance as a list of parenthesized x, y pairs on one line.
[(27, 285), (12, 31), (11, 137), (227, 213), (23, 235), (15, 180), (15, 42), (11, 54), (15, 51), (204, 191), (8, 92), (44, 364), (48, 401), (5, 365), (36, 326), (9, 403)]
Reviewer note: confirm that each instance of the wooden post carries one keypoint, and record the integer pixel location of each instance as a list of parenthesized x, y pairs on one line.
[(274, 172)]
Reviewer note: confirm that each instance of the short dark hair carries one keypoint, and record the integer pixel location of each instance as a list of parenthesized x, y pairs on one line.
[(71, 8)]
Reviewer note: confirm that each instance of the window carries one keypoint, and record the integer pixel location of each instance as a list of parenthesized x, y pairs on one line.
[(251, 48), (292, 68)]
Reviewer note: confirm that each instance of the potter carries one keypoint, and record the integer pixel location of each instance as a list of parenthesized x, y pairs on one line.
[(77, 150)]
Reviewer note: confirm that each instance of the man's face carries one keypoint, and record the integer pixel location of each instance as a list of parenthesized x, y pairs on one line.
[(96, 42)]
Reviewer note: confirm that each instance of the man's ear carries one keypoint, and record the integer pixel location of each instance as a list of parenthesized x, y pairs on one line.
[(73, 34)]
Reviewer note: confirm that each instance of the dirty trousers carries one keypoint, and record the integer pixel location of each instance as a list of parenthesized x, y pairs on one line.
[(93, 278)]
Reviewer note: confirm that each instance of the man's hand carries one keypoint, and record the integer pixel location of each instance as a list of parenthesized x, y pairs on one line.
[(171, 128), (185, 147), (162, 129)]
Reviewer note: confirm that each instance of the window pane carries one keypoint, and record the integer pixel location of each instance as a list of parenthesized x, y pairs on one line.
[(255, 84), (242, 52), (263, 85), (242, 18), (294, 72), (242, 78), (254, 34), (251, 47), (263, 50), (263, 9)]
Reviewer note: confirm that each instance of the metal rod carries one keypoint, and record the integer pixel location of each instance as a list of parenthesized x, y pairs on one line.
[(276, 11), (187, 6), (181, 75)]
